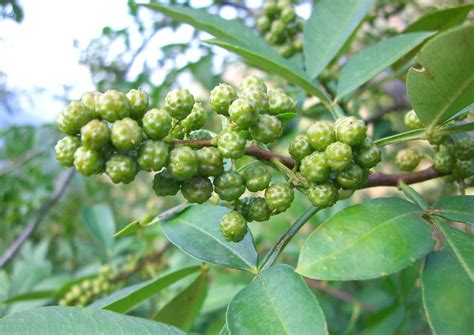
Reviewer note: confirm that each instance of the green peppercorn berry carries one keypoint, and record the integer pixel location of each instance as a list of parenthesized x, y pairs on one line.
[(258, 97), (278, 27), (257, 210), (210, 162), (196, 119), (272, 39), (435, 139), (95, 134), (233, 226), (315, 167), (288, 14), (257, 177), (126, 134), (338, 155), (251, 82), (321, 134), (221, 97), (463, 169), (164, 184), (351, 178), (367, 154), (157, 123), (298, 43), (65, 149), (412, 121), (229, 186), (270, 8), (231, 144), (263, 23), (407, 159), (444, 160), (322, 195), (350, 130), (345, 194), (121, 169), (113, 105), (279, 197), (200, 134), (266, 129), (178, 132), (300, 147), (242, 112), (280, 102), (90, 100), (197, 190), (73, 118), (88, 161), (286, 50), (179, 103), (153, 155), (183, 163), (138, 101), (464, 149)]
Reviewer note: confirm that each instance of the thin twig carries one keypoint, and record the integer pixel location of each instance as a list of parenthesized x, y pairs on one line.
[(27, 157), (33, 224)]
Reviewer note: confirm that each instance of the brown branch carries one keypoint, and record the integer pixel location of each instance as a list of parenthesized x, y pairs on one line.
[(33, 224), (338, 294)]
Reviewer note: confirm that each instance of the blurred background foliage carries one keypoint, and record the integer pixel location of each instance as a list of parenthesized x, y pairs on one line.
[(68, 245)]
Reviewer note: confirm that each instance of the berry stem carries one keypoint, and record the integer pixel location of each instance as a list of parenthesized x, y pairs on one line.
[(280, 245)]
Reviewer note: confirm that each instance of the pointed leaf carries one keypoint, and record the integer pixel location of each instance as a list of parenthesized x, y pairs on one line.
[(73, 320), (458, 208), (276, 302), (448, 294), (123, 300), (440, 19), (330, 25), (413, 196), (196, 232), (366, 241), (184, 308), (371, 61), (443, 68), (99, 220)]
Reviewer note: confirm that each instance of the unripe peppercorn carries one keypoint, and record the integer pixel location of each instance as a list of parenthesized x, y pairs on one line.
[(257, 210), (153, 155), (210, 161), (338, 155), (197, 190), (412, 121), (367, 154), (242, 111), (95, 134), (252, 82), (464, 149), (322, 195), (350, 130), (164, 184), (279, 102), (138, 101), (300, 147), (196, 119), (113, 105), (257, 177), (90, 100), (233, 226), (183, 163), (315, 167), (321, 134), (231, 144), (221, 97), (266, 129), (463, 169), (444, 160), (229, 186), (126, 134), (351, 178), (258, 97), (179, 103), (65, 149), (73, 118), (263, 23), (157, 123), (278, 27), (279, 197), (407, 159), (88, 161), (121, 169)]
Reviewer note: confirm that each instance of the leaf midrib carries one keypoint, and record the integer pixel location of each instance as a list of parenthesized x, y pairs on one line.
[(273, 306)]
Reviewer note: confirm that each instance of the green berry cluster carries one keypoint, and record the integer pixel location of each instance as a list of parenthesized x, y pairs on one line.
[(281, 26), (334, 158), (89, 290)]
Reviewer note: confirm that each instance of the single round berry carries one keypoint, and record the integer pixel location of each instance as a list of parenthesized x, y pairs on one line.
[(157, 123), (242, 112), (65, 149), (196, 119), (178, 132), (344, 194), (464, 149), (278, 27), (412, 121), (367, 154), (288, 14), (258, 97), (266, 129), (138, 101), (286, 50), (179, 103), (164, 184), (183, 163), (300, 147), (229, 186), (126, 134), (90, 100), (351, 178), (270, 8), (272, 38), (444, 160), (263, 23), (257, 210), (463, 169), (200, 134), (321, 134), (210, 162), (315, 167), (233, 226), (279, 197), (298, 43), (221, 97), (153, 155), (437, 139), (338, 155), (322, 195), (95, 134), (280, 102), (113, 105), (73, 118), (231, 144), (407, 159), (257, 177), (121, 169), (252, 82), (88, 161), (350, 130), (197, 190)]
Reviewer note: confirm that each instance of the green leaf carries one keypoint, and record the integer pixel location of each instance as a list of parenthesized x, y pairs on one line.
[(73, 320), (285, 117), (366, 241), (448, 294), (184, 308), (440, 19), (462, 246), (128, 297), (369, 62), (386, 321), (416, 134), (413, 196), (276, 302), (330, 25), (99, 221), (458, 208), (196, 232), (443, 64)]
